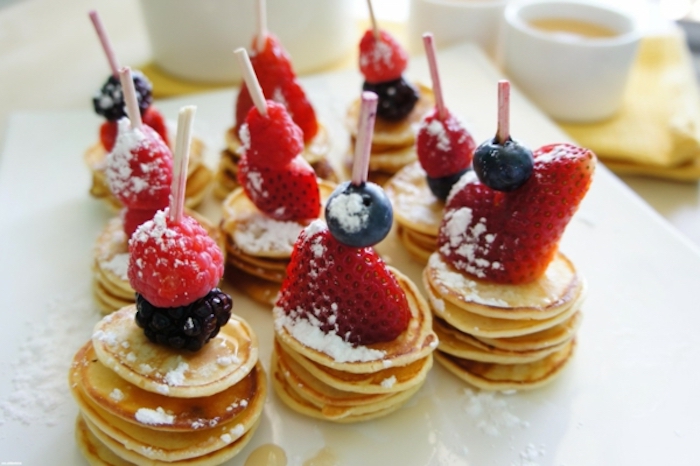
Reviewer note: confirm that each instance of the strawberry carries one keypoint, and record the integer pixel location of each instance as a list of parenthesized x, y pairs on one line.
[(173, 264), (108, 134), (277, 139), (139, 168), (286, 193), (444, 146), (133, 218), (278, 82), (511, 237), (153, 118), (343, 290), (381, 59)]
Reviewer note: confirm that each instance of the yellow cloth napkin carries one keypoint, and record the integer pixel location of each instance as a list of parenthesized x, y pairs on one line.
[(657, 130)]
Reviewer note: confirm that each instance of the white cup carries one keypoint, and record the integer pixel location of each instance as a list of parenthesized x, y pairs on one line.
[(570, 77), (195, 39), (454, 21)]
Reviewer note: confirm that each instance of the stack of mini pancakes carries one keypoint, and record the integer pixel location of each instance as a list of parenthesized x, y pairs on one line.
[(258, 248), (198, 175), (110, 286), (393, 142), (314, 380), (146, 404), (417, 211), (505, 337), (315, 152)]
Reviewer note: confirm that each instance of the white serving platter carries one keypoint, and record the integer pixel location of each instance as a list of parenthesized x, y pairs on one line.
[(630, 396)]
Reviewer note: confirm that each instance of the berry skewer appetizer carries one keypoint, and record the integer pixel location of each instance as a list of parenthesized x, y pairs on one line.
[(445, 150), (402, 105), (138, 171), (109, 102), (176, 377), (506, 302), (353, 337), (279, 195), (278, 81)]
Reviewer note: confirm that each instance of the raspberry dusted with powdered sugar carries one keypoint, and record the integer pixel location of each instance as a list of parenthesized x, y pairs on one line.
[(382, 58), (173, 263)]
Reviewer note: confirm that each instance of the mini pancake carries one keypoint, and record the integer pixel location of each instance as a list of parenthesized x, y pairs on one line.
[(156, 443), (488, 376), (111, 286), (415, 206), (464, 346), (389, 135), (224, 361), (419, 246), (298, 404), (552, 336), (94, 451), (490, 327), (199, 175), (548, 296), (403, 377), (415, 343), (260, 290), (119, 398), (212, 459)]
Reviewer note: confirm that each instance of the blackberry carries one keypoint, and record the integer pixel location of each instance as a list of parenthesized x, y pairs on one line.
[(396, 98), (185, 327), (109, 100)]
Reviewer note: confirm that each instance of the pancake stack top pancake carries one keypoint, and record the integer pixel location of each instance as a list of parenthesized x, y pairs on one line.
[(186, 386), (506, 302), (279, 195), (278, 81), (110, 103), (445, 150), (382, 62), (353, 336)]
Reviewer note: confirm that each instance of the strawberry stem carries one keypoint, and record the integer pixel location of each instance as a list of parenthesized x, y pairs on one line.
[(181, 158), (503, 129), (104, 40), (262, 25), (363, 145), (251, 80), (373, 20), (429, 44), (132, 103)]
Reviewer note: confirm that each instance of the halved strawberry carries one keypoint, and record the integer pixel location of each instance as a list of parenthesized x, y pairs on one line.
[(271, 140), (511, 237), (343, 290), (381, 59), (289, 192), (444, 146)]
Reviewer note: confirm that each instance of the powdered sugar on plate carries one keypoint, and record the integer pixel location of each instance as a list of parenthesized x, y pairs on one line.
[(491, 412)]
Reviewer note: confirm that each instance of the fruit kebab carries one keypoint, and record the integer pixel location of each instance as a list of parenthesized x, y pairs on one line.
[(139, 173), (109, 102), (507, 303), (278, 81), (279, 194), (361, 324), (445, 149)]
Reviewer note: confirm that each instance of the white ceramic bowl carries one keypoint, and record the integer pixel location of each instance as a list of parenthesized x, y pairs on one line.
[(571, 79), (195, 39)]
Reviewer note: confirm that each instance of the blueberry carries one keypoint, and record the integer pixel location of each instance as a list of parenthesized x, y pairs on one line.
[(441, 186), (396, 98), (109, 100), (503, 167), (359, 216)]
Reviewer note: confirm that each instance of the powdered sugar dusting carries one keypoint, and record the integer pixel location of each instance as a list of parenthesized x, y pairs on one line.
[(260, 233), (436, 129), (156, 416), (349, 211), (529, 454), (378, 56), (176, 376), (491, 412), (244, 136)]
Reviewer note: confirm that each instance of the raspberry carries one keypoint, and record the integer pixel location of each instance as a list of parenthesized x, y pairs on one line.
[(444, 146), (133, 218), (109, 100), (381, 60), (271, 140), (155, 120), (108, 134), (185, 327), (173, 264)]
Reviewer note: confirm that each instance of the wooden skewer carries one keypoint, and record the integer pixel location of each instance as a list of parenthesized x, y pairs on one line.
[(180, 160), (104, 40), (251, 80), (503, 129), (373, 20), (429, 43), (363, 145), (132, 103)]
